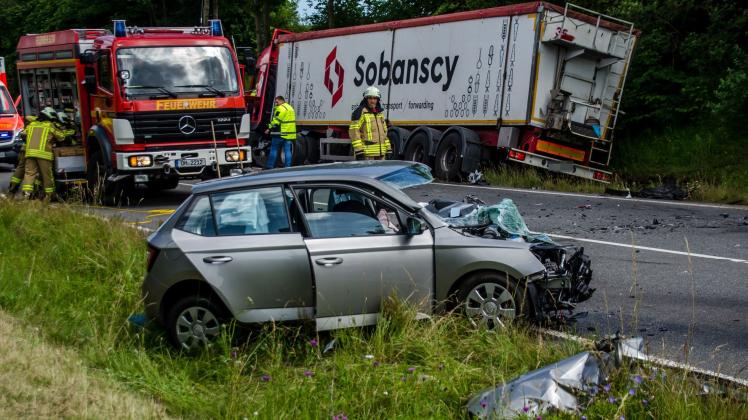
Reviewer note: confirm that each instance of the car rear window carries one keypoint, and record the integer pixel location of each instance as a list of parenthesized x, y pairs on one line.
[(198, 219)]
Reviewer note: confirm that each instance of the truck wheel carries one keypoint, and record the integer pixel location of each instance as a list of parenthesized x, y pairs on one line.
[(97, 172), (193, 323), (417, 149), (260, 156), (448, 162), (299, 151), (312, 149), (491, 299), (397, 136)]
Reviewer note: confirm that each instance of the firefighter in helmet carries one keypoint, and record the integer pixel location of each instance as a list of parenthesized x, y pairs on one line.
[(368, 129), (18, 173), (40, 135)]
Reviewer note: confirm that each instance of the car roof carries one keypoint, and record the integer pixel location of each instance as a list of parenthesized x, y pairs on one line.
[(360, 172)]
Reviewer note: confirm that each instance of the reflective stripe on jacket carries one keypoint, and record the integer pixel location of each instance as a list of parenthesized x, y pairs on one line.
[(368, 133), (39, 138), (284, 119)]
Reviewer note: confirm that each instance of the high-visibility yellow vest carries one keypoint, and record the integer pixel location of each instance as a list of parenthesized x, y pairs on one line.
[(39, 138), (285, 119)]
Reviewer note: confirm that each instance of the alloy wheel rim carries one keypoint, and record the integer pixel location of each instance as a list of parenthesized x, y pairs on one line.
[(196, 327), (490, 305), (449, 158)]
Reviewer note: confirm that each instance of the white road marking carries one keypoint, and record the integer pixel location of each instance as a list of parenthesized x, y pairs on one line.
[(648, 248), (602, 197)]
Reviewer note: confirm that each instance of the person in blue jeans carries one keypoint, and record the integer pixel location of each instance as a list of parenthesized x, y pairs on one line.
[(282, 132)]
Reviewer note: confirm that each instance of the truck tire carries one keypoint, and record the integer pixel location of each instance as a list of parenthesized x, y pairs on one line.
[(491, 299), (260, 156), (299, 151), (312, 149), (448, 163), (397, 138), (417, 149), (101, 190)]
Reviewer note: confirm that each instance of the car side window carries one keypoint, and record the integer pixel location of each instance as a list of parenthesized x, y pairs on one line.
[(251, 212), (340, 212), (198, 219)]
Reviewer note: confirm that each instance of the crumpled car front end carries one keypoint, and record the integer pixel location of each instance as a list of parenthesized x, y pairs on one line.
[(568, 272)]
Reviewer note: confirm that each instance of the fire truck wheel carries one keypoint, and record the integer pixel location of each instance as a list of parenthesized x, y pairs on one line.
[(417, 149), (106, 192), (312, 149), (448, 162), (260, 156)]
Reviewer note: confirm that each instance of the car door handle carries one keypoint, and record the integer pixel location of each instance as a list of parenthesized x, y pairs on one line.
[(329, 262), (218, 260)]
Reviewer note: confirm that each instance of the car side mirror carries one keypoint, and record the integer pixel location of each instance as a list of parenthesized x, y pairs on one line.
[(89, 82), (414, 226)]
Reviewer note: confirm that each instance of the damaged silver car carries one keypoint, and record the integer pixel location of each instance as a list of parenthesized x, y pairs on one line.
[(327, 243)]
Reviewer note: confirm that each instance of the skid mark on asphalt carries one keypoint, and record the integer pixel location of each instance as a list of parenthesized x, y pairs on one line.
[(649, 248)]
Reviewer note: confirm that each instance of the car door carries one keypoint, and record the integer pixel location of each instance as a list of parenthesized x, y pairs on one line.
[(247, 250), (360, 256)]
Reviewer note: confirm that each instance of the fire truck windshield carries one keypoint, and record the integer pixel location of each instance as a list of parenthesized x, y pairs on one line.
[(6, 103), (183, 71)]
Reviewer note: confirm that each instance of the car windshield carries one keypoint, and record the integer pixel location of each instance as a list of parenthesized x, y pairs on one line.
[(179, 70), (410, 176), (6, 102)]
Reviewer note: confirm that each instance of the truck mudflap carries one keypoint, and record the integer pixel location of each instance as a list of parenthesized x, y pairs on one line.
[(193, 162), (560, 166)]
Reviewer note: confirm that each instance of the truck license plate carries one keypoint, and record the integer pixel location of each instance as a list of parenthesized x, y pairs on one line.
[(190, 163)]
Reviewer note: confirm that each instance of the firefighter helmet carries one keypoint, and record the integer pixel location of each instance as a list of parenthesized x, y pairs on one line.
[(49, 113), (372, 92), (63, 117)]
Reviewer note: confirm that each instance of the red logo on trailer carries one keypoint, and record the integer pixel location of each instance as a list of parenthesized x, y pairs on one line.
[(336, 92)]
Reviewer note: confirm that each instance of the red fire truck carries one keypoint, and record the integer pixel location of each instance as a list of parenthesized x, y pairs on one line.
[(152, 105), (533, 83)]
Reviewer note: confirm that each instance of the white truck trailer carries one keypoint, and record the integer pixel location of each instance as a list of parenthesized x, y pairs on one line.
[(533, 83)]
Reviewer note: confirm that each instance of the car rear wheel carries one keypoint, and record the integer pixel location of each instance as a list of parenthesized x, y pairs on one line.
[(491, 300), (194, 323)]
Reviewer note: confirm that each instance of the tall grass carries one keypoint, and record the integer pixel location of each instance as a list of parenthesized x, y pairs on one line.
[(77, 279), (517, 176)]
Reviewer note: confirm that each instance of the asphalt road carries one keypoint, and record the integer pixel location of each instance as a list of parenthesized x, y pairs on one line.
[(674, 273)]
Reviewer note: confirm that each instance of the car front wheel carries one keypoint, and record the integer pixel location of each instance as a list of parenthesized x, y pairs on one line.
[(194, 323), (491, 300)]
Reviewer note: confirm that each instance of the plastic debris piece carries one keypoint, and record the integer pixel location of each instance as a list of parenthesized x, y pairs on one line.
[(550, 387), (330, 346), (138, 320), (504, 216)]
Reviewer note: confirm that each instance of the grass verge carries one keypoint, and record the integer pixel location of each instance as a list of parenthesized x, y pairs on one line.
[(41, 380), (711, 164), (77, 279)]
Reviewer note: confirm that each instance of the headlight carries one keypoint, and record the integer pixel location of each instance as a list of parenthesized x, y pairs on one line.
[(140, 161), (18, 135), (236, 155)]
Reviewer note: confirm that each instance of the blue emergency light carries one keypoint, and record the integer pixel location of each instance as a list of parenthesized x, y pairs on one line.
[(119, 28), (215, 27)]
